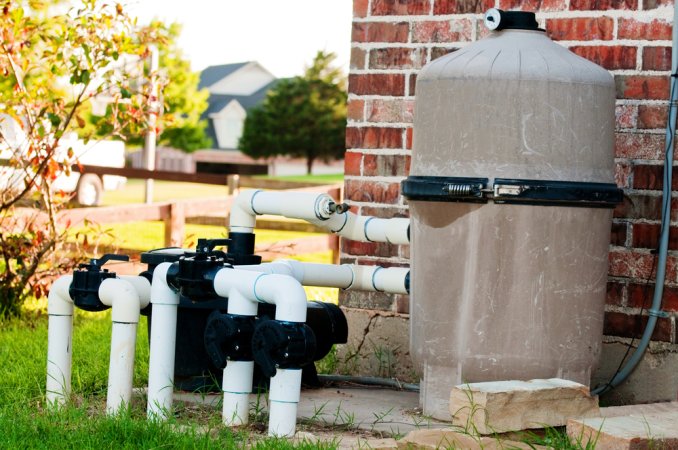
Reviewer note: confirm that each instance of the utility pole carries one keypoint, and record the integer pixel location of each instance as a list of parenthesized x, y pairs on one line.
[(151, 133)]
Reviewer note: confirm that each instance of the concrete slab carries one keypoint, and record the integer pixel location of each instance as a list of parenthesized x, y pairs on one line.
[(647, 409), (630, 427), (375, 410)]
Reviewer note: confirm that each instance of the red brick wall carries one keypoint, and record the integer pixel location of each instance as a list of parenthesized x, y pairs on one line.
[(393, 39)]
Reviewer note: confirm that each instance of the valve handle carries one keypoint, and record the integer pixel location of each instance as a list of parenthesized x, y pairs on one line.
[(96, 263), (207, 245), (338, 208)]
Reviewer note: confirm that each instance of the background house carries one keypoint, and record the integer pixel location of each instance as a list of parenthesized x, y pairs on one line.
[(234, 89)]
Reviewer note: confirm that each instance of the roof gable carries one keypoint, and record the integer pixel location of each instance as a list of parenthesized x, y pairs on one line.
[(213, 74)]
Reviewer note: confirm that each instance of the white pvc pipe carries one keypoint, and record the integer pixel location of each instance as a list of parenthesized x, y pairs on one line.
[(346, 276), (237, 379), (294, 205), (163, 341), (252, 287), (367, 228), (315, 208), (244, 290), (123, 297), (237, 387), (121, 367), (59, 342), (284, 395)]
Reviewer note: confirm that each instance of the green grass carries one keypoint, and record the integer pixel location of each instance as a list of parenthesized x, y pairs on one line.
[(163, 191), (150, 235), (25, 423)]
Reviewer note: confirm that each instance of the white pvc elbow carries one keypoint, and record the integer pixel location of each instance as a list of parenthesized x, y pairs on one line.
[(294, 205), (246, 288), (123, 298)]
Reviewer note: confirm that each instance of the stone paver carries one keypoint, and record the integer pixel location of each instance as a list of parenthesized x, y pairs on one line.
[(502, 406)]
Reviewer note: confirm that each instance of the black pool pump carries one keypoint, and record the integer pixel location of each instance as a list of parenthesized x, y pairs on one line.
[(207, 336)]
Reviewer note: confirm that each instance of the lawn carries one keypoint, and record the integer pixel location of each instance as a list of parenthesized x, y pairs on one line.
[(150, 235), (25, 423), (133, 191)]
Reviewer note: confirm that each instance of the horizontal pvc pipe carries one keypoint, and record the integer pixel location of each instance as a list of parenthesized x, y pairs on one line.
[(59, 342), (294, 205), (347, 276), (367, 228), (315, 208), (284, 395), (163, 342), (237, 387), (281, 290)]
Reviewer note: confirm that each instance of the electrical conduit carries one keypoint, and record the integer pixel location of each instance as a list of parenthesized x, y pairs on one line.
[(655, 310)]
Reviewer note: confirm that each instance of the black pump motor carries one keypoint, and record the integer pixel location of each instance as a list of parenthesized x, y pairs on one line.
[(206, 338)]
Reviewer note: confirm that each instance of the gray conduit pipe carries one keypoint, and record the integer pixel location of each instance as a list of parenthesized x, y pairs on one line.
[(655, 310), (370, 381)]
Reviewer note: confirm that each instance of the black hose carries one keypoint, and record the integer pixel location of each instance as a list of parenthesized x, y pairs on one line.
[(370, 381)]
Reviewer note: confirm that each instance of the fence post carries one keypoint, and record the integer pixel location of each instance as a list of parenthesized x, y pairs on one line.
[(233, 183), (175, 225)]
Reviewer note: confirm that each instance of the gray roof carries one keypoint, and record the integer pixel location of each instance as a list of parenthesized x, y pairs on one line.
[(212, 74), (217, 102)]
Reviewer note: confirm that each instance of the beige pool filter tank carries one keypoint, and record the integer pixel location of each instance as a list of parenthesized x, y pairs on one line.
[(511, 194)]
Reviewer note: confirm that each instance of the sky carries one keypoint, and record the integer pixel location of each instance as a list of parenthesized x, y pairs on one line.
[(282, 35)]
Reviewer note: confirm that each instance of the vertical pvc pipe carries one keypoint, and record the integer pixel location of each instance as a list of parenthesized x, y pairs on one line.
[(237, 387), (163, 342), (59, 356), (59, 342), (121, 366), (237, 380), (284, 395), (123, 296)]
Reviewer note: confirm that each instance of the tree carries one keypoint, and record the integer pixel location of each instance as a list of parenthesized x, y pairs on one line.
[(53, 64), (179, 124), (304, 116)]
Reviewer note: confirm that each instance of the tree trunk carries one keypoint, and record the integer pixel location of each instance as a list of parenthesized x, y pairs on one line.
[(309, 164)]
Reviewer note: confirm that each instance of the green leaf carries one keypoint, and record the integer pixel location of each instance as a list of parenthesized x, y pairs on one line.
[(54, 119)]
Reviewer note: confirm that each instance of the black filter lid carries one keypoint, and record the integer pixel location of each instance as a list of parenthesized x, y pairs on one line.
[(496, 19)]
